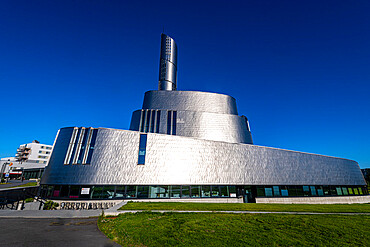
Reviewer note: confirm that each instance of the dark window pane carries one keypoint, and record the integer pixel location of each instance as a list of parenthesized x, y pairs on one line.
[(206, 191), (195, 191), (146, 129), (224, 191), (74, 191), (292, 191), (108, 192), (96, 192), (120, 192), (142, 191), (64, 191), (142, 149), (92, 146), (169, 116), (131, 192), (232, 191), (152, 121), (174, 119), (260, 191), (215, 191), (185, 191), (158, 121), (142, 118), (306, 190), (175, 191)]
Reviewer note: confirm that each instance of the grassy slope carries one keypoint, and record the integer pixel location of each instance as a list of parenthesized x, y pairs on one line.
[(326, 208), (218, 229)]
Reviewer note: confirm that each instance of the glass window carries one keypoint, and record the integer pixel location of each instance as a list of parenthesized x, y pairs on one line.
[(169, 116), (313, 190), (108, 192), (326, 190), (345, 191), (320, 191), (174, 119), (268, 192), (56, 192), (339, 191), (333, 191), (96, 192), (306, 190), (356, 191), (215, 191), (142, 191), (360, 190), (120, 192), (195, 191), (298, 190), (163, 191), (142, 120), (185, 191), (131, 192), (74, 191), (260, 191), (146, 129), (64, 191), (292, 190), (232, 191), (152, 121), (276, 190), (158, 121), (92, 146), (206, 191), (224, 191), (175, 191), (142, 149), (350, 191)]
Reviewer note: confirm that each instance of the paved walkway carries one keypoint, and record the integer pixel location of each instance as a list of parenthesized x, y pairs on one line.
[(52, 233)]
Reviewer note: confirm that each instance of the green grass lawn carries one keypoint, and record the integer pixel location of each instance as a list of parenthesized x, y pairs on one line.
[(322, 208), (222, 229)]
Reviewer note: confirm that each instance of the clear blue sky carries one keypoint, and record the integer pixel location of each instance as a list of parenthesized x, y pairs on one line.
[(298, 69)]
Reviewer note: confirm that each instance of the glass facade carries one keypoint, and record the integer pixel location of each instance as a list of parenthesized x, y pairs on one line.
[(193, 191)]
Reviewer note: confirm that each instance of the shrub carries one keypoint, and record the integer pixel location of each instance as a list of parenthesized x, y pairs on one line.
[(50, 205)]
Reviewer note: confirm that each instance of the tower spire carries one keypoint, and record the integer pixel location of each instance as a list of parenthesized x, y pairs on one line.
[(168, 64)]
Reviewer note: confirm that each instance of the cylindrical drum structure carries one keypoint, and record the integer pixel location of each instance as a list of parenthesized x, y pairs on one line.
[(168, 64)]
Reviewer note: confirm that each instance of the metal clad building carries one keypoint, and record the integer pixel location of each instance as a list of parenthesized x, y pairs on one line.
[(186, 144)]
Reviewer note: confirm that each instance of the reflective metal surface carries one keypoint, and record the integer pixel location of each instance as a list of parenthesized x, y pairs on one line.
[(190, 101), (180, 160), (168, 64)]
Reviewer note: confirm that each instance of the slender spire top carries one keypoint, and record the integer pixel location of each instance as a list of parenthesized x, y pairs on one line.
[(168, 64)]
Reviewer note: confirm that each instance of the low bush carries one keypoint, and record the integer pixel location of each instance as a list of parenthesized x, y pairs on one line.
[(50, 205)]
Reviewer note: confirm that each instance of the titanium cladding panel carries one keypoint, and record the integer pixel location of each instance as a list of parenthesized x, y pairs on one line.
[(181, 160), (190, 101), (168, 64)]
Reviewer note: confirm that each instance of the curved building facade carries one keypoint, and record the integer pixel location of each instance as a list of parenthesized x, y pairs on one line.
[(185, 144)]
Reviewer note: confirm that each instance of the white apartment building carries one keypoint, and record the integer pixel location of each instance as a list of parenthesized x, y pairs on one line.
[(30, 156)]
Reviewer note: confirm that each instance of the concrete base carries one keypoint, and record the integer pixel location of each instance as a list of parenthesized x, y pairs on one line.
[(316, 200)]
